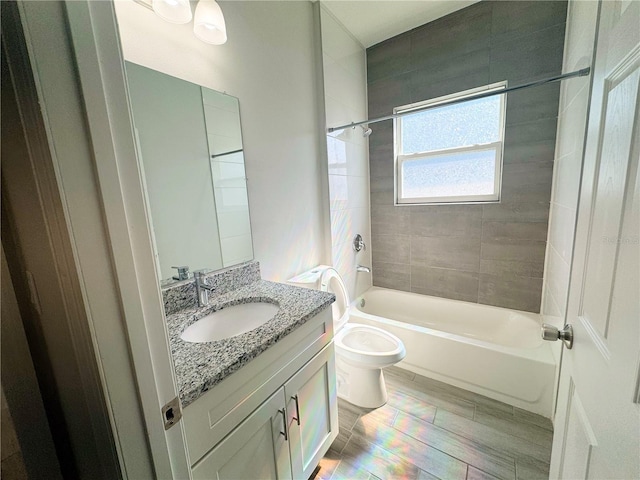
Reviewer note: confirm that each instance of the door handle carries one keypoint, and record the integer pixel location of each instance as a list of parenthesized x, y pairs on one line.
[(297, 417), (284, 424), (551, 333)]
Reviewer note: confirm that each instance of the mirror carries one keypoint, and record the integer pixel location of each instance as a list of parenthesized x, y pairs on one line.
[(190, 148)]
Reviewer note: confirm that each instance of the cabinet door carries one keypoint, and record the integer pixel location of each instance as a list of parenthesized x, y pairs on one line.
[(255, 449), (312, 409)]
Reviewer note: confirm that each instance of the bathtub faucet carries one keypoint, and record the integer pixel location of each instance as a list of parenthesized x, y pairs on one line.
[(362, 268)]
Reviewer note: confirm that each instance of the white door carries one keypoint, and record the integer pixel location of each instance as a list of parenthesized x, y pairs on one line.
[(597, 429), (312, 407), (74, 50), (256, 449)]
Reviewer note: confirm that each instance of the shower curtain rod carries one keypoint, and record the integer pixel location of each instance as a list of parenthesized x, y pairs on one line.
[(578, 73)]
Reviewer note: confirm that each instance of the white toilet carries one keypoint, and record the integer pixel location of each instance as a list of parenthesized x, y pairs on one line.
[(362, 351)]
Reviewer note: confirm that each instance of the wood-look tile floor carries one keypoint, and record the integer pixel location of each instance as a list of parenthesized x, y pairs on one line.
[(429, 430)]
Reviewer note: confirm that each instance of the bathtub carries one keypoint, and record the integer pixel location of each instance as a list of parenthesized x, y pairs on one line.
[(492, 351)]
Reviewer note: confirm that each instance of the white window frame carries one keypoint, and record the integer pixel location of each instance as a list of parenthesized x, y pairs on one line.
[(497, 146)]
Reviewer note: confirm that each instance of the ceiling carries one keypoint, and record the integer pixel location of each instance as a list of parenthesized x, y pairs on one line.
[(372, 21)]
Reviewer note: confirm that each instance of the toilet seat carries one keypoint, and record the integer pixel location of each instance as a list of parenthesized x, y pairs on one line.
[(362, 351), (367, 346), (331, 281), (364, 346)]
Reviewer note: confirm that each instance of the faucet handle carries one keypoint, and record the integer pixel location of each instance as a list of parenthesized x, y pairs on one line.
[(358, 243), (199, 273), (183, 272), (201, 279)]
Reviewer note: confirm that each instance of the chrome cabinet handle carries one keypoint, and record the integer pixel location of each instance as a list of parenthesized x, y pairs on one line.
[(551, 333), (284, 424), (297, 417)]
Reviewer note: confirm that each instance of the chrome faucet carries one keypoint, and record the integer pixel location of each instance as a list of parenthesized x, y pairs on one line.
[(202, 288), (362, 268), (183, 273)]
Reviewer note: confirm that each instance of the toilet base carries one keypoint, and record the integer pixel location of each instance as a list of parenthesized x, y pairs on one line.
[(363, 387)]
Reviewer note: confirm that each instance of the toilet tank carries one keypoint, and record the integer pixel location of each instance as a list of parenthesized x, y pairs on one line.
[(310, 278), (313, 279)]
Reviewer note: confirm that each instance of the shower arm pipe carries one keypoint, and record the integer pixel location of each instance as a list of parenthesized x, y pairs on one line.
[(216, 155), (578, 73)]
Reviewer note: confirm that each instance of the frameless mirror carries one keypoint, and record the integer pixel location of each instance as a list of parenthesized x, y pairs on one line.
[(190, 149)]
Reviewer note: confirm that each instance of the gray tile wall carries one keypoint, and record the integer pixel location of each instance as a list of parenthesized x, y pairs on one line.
[(494, 253)]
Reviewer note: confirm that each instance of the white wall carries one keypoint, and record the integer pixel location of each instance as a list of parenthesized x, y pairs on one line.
[(268, 62), (344, 65)]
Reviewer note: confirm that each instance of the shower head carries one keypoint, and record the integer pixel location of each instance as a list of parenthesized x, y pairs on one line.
[(366, 131)]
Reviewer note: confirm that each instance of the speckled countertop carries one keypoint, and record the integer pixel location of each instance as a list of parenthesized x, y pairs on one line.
[(200, 366)]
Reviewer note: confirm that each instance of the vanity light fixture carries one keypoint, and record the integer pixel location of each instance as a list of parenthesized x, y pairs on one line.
[(173, 11), (208, 24)]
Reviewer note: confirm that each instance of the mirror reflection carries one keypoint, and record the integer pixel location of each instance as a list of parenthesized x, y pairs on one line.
[(190, 146)]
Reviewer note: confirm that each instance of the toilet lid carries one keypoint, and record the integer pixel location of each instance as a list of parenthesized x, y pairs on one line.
[(332, 282)]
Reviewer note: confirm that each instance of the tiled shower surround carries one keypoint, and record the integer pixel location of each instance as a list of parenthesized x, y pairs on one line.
[(492, 253)]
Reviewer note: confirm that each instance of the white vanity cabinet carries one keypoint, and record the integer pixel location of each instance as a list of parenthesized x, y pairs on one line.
[(273, 419)]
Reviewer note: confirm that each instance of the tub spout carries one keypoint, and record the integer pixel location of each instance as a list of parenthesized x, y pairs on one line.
[(362, 268)]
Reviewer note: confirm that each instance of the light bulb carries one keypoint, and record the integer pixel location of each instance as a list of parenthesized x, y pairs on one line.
[(208, 23), (173, 11)]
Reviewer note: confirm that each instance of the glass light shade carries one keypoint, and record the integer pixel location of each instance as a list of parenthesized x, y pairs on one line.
[(208, 24), (173, 11)]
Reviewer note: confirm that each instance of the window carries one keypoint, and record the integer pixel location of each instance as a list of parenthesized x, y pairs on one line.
[(453, 153)]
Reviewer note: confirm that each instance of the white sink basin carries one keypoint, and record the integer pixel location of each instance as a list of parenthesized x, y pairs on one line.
[(229, 322)]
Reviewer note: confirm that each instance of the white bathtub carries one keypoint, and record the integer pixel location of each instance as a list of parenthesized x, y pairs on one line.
[(492, 351)]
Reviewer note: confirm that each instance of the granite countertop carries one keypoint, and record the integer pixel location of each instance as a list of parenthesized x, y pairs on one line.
[(200, 366)]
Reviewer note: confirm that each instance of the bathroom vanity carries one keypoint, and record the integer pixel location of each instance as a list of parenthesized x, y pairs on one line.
[(261, 404), (258, 393)]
